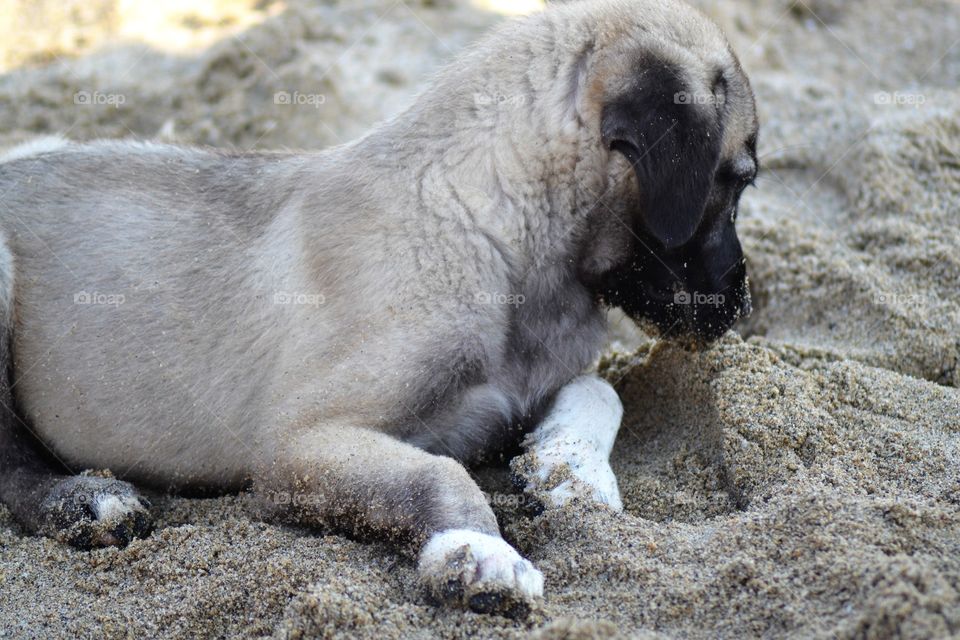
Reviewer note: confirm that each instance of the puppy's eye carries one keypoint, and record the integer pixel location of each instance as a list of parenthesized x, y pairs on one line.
[(738, 173), (746, 180)]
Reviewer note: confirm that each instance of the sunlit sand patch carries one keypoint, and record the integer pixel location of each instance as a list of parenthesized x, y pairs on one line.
[(43, 31), (177, 25), (509, 7)]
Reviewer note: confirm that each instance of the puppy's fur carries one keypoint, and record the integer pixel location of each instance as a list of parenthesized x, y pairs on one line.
[(347, 327)]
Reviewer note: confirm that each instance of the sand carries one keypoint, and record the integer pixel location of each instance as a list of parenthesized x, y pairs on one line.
[(800, 479)]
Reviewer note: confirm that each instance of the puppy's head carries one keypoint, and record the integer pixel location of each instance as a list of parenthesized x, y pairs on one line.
[(676, 117)]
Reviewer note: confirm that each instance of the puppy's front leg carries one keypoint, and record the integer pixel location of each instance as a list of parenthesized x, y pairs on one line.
[(371, 483), (568, 454)]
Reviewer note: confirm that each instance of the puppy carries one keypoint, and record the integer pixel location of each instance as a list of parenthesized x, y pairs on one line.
[(347, 329)]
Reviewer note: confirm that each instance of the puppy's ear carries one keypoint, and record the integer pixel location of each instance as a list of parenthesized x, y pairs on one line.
[(672, 138)]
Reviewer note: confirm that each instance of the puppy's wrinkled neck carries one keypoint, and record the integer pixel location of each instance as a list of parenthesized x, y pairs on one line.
[(496, 146)]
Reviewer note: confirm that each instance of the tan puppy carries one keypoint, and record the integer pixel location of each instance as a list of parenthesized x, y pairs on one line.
[(346, 329)]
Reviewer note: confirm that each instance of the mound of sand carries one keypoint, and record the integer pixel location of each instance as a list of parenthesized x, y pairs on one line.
[(803, 482), (313, 75)]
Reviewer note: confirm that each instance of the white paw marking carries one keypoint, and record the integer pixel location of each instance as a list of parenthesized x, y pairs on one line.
[(488, 562), (579, 433), (594, 479), (114, 509)]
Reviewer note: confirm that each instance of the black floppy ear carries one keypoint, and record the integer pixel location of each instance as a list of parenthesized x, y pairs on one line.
[(672, 138)]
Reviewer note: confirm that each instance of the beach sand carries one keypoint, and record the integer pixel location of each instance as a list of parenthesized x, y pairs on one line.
[(801, 478)]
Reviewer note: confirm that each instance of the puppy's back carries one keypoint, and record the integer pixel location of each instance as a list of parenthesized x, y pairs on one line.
[(128, 260)]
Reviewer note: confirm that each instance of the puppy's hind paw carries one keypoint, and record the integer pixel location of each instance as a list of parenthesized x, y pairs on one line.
[(480, 572), (89, 511)]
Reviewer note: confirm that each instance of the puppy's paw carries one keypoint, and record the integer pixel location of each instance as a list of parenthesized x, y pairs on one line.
[(568, 453), (88, 511), (593, 480), (478, 571), (554, 478)]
